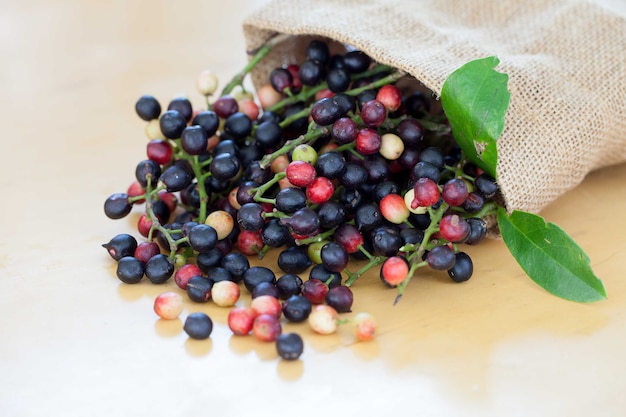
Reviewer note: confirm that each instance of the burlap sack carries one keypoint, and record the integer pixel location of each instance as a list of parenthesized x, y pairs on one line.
[(566, 61)]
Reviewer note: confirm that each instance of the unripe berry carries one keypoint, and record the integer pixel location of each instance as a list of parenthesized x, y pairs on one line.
[(394, 209), (206, 83), (391, 146), (168, 305)]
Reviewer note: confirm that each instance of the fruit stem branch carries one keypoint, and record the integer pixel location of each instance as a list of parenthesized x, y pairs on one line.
[(308, 138), (259, 191), (353, 276)]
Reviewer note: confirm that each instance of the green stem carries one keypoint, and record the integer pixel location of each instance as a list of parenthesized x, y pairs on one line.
[(308, 138), (389, 79), (317, 238), (257, 56), (352, 277), (259, 191)]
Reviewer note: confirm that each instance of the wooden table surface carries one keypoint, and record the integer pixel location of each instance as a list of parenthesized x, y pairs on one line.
[(77, 342)]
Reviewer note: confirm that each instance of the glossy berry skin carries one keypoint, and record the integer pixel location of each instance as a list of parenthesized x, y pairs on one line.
[(159, 269), (373, 113), (317, 50), (325, 112), (454, 228), (368, 217), (311, 72), (320, 190), (426, 193), (393, 271), (426, 170), (356, 61), (281, 79), (168, 305), (120, 246), (172, 124), (250, 217), (268, 135), (257, 274), (368, 141), (455, 192), (202, 238), (354, 176), (390, 96), (185, 273), (116, 206), (289, 346), (130, 270), (349, 237), (159, 151), (340, 298), (236, 264), (296, 308), (344, 130), (240, 320), (146, 250), (266, 328), (198, 326), (224, 167), (183, 106), (463, 268), (175, 178), (314, 290), (478, 231), (208, 260), (330, 165), (238, 126), (199, 289), (330, 278), (265, 288), (474, 202), (294, 260), (290, 199), (303, 222), (411, 132), (486, 186), (147, 170), (208, 120), (288, 285), (393, 209), (194, 140), (301, 173), (148, 108), (386, 240), (225, 106), (440, 258), (275, 234), (334, 257), (338, 80), (331, 214)]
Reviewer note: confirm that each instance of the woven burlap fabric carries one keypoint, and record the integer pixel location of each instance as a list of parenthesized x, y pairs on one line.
[(566, 62)]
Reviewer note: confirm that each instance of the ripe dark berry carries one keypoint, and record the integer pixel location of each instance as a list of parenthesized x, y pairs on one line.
[(344, 130), (275, 234), (368, 217), (120, 246), (462, 269), (268, 135), (289, 346), (148, 108), (474, 202), (318, 51), (426, 170), (311, 72), (296, 308), (330, 278), (478, 231), (340, 298), (257, 274), (440, 258), (235, 263), (238, 125), (417, 104), (208, 120), (486, 186), (225, 106), (130, 270), (202, 238), (356, 61), (290, 199), (325, 112), (194, 140), (159, 269), (303, 222), (334, 257), (281, 79), (199, 289), (116, 206), (331, 165), (147, 170), (198, 325), (294, 260), (172, 124), (433, 156), (373, 113), (175, 178), (338, 80), (264, 288), (218, 274), (224, 167), (386, 240), (250, 217), (410, 131), (331, 214), (288, 285), (345, 102)]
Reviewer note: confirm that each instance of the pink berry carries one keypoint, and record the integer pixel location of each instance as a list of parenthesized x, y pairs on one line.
[(368, 141), (394, 270), (426, 193), (134, 190), (249, 243), (321, 190), (225, 293), (146, 250), (266, 304), (393, 208), (144, 224), (266, 328), (249, 108), (240, 320), (185, 273), (268, 96), (454, 228), (323, 319), (168, 305), (364, 326), (349, 237), (455, 192)]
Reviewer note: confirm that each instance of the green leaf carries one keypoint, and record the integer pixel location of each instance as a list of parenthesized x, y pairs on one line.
[(550, 256), (475, 99)]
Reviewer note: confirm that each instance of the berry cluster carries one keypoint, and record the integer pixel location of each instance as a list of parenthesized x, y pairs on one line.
[(334, 159)]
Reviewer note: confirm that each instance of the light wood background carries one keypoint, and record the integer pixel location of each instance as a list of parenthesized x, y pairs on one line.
[(77, 342)]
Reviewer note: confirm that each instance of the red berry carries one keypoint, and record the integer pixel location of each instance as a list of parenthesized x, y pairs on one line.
[(393, 208), (225, 106), (249, 243), (314, 290), (300, 173), (169, 199), (160, 151), (144, 224), (266, 328), (146, 250), (185, 273), (368, 141), (349, 237), (240, 320), (364, 326), (394, 270), (426, 193), (321, 190), (454, 228), (390, 96), (134, 190)]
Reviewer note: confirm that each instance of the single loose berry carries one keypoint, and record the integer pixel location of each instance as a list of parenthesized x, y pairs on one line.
[(440, 258), (130, 270), (463, 268), (148, 108), (168, 305), (323, 319), (364, 326), (117, 206), (198, 326), (266, 328), (289, 346), (340, 298), (296, 308), (120, 246)]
